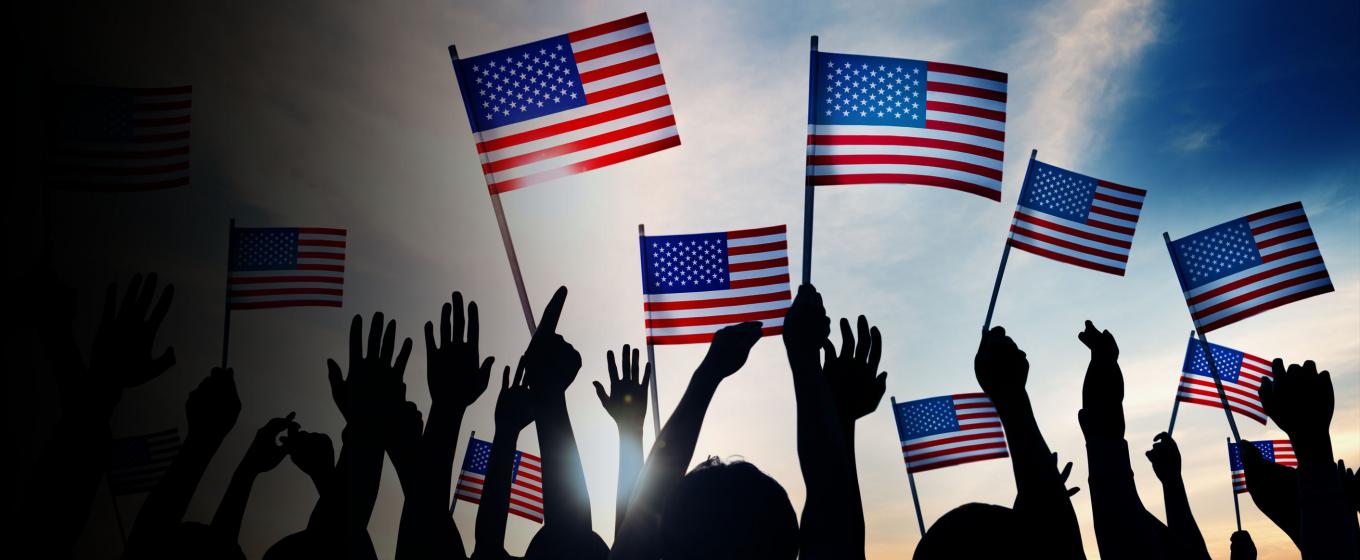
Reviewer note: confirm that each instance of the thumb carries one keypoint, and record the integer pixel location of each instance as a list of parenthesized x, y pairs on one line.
[(599, 392)]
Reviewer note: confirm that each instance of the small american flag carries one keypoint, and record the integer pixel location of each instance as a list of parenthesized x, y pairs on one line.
[(1278, 451), (567, 104), (286, 267), (1076, 219), (139, 462), (877, 120), (1240, 268), (1240, 372), (695, 284), (119, 139), (526, 486), (950, 430)]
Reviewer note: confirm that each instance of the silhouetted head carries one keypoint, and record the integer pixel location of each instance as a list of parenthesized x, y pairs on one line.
[(729, 510), (551, 543), (973, 531)]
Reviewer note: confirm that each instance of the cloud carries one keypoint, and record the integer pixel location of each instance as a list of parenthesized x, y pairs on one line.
[(1197, 138)]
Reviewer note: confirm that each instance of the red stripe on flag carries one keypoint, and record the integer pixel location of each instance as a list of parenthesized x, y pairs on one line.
[(283, 303), (1114, 214), (1135, 204), (321, 243), (715, 319), (1275, 210), (610, 27), (1283, 238), (1289, 252), (1252, 279), (1068, 244), (162, 105), (716, 302), (625, 89), (322, 231), (759, 248), (959, 461), (1272, 226), (1060, 257), (620, 68), (955, 439), (756, 232), (1073, 231), (998, 135), (985, 74), (1254, 294), (883, 140), (1121, 188), (285, 291), (757, 265), (703, 337), (762, 281), (615, 47), (893, 159), (594, 163), (579, 145), (282, 279), (574, 124), (907, 179), (969, 91), (1267, 306), (966, 110)]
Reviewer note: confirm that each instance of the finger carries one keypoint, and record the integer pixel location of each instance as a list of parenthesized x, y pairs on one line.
[(130, 296), (553, 312), (430, 348), (505, 378), (875, 348), (613, 367), (519, 372), (862, 339), (162, 307), (459, 320), (1073, 491), (1310, 367), (646, 382), (486, 366), (389, 342), (337, 381), (627, 363), (1161, 437), (828, 353), (144, 297), (444, 312), (1066, 472), (375, 334), (402, 356), (599, 392), (637, 363), (880, 386), (847, 338), (474, 329), (356, 339)]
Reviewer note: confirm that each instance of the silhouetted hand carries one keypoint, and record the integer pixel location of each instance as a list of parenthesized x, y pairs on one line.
[(1165, 457), (404, 430), (626, 401), (856, 384), (454, 374), (1299, 400), (806, 326), (1102, 392), (1000, 366), (1101, 343), (728, 352), (1064, 474), (312, 452), (1242, 546), (374, 386), (213, 407), (265, 451), (1274, 488), (550, 361), (515, 404), (1351, 483), (126, 334)]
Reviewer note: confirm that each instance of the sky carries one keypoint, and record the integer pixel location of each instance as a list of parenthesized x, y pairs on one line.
[(347, 115)]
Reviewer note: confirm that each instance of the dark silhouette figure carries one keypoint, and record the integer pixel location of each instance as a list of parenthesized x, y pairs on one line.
[(648, 526), (765, 528), (626, 403), (1300, 401), (514, 412), (1242, 547), (314, 455), (1166, 463), (265, 453), (1042, 522)]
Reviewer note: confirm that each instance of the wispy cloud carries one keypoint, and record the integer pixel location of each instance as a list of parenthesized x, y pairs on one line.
[(1195, 138)]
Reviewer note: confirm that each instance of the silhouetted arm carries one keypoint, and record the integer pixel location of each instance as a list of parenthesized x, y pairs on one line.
[(1166, 462), (1274, 488), (314, 455), (514, 412), (639, 538), (1242, 546), (263, 455), (626, 403)]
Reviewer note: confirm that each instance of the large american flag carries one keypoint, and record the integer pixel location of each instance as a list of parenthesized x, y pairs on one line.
[(878, 120), (695, 284), (1240, 372), (286, 267), (1240, 268), (567, 104), (119, 139), (526, 483), (139, 462), (1278, 451), (950, 430), (1076, 219)]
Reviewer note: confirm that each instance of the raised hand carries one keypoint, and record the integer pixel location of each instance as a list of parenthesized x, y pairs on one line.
[(514, 404), (454, 374), (126, 335), (626, 401), (1274, 488), (1299, 399), (1165, 457), (266, 452), (550, 361), (806, 327), (1064, 474), (1000, 366), (1102, 393), (1242, 546), (728, 352), (312, 453), (1350, 482), (1101, 343), (374, 385), (856, 384), (213, 407)]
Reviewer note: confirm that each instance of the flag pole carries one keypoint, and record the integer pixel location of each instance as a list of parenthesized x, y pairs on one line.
[(226, 296), (1237, 509), (496, 203), (1204, 345), (809, 197), (454, 502), (1006, 252), (651, 348), (1176, 403), (911, 481)]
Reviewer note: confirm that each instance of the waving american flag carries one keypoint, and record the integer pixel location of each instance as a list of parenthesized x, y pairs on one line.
[(526, 480), (1278, 451), (119, 139), (950, 430), (1076, 219), (1240, 372)]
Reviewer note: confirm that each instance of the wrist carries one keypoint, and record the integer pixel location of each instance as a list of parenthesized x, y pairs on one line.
[(1312, 448)]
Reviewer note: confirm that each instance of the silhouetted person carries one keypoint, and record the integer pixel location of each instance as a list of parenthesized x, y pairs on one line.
[(313, 454), (265, 453), (626, 403), (514, 412), (1165, 457), (648, 527), (1300, 401), (1274, 488), (729, 510), (1042, 524), (1242, 547)]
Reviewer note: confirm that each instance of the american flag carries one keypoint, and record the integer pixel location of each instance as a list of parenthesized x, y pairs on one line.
[(877, 120), (1076, 219), (1240, 268), (950, 430), (139, 462), (1278, 451), (695, 284), (286, 267), (1240, 372), (119, 139), (567, 104), (526, 485)]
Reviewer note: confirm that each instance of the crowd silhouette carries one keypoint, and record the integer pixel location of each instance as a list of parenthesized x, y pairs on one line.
[(670, 505)]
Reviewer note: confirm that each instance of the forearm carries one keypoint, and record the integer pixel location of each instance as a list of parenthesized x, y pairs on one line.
[(165, 506), (1181, 521), (227, 520), (1124, 528), (1327, 525), (440, 445), (630, 467), (359, 472), (495, 504), (828, 527), (565, 499)]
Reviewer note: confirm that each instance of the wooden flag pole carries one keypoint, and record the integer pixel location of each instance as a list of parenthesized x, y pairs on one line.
[(1237, 509), (651, 348), (1006, 251), (454, 501), (226, 296), (809, 198), (911, 481), (1204, 345), (496, 203), (1176, 404)]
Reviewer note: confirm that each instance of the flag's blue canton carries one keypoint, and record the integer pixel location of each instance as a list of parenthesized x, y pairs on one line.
[(521, 83), (477, 456), (93, 114), (1235, 454), (926, 417), (869, 90), (1216, 252), (1057, 191), (685, 263), (1229, 361), (514, 467), (264, 249)]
